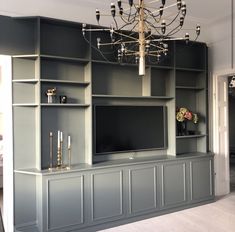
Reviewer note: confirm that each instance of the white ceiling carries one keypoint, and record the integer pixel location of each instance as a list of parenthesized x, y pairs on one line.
[(83, 10), (204, 12)]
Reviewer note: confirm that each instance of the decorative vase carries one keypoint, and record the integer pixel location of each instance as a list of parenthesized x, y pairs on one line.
[(182, 128)]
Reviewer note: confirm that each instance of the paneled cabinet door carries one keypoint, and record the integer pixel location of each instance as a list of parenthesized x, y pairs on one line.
[(65, 203), (173, 184), (201, 179), (142, 190), (106, 195)]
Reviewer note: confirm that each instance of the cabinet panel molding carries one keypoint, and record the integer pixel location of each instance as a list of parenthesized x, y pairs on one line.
[(65, 197), (142, 190), (106, 195)]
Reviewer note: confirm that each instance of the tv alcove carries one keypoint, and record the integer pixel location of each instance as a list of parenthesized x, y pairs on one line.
[(104, 190)]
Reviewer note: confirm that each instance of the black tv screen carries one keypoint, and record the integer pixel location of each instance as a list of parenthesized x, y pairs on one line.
[(128, 128)]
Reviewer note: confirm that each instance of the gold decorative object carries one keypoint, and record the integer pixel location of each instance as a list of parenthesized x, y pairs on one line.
[(59, 154), (51, 93), (69, 153), (141, 30), (51, 150)]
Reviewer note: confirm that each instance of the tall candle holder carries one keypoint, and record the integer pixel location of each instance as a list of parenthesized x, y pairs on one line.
[(51, 150), (59, 157), (69, 153)]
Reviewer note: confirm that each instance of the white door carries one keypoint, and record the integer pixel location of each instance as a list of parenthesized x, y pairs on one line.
[(221, 136)]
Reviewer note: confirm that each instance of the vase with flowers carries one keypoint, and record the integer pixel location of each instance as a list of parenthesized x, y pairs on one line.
[(183, 115)]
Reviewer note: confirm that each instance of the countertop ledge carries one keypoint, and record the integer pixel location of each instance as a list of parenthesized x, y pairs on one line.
[(114, 163)]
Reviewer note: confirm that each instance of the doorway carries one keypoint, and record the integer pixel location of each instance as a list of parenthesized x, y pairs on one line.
[(231, 113), (221, 145)]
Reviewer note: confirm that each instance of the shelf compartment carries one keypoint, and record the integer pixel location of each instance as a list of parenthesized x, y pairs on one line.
[(24, 92), (71, 121), (61, 38), (24, 67), (189, 79), (63, 70), (161, 82), (75, 93), (25, 136), (116, 80), (189, 144), (190, 56)]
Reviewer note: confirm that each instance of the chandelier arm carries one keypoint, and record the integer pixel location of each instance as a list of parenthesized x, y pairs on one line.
[(153, 27), (115, 21), (156, 46), (129, 24), (101, 53), (127, 36), (118, 42), (151, 14), (165, 7), (174, 31), (173, 19)]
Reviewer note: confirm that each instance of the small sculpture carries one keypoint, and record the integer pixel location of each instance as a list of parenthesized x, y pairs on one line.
[(51, 93)]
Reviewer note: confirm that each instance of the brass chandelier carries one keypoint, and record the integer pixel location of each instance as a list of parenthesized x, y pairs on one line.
[(142, 30)]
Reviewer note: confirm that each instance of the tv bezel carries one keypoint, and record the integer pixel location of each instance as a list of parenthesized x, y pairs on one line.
[(132, 150)]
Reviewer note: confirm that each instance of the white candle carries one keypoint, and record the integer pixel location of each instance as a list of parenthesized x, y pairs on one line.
[(61, 136), (58, 139), (69, 142)]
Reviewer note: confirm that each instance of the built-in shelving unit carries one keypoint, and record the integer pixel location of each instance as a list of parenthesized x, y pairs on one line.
[(58, 57)]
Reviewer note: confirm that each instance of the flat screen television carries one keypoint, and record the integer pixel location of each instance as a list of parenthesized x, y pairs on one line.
[(121, 128)]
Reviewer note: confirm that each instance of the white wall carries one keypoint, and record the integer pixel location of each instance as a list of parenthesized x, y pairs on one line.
[(1, 105)]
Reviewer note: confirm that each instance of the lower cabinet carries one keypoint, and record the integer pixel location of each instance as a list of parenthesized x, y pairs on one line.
[(63, 200), (201, 180), (106, 196), (142, 190), (86, 200), (174, 184)]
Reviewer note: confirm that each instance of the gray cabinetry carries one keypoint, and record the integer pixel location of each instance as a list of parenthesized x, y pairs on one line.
[(101, 189), (106, 195), (142, 189), (201, 179), (174, 184), (93, 197)]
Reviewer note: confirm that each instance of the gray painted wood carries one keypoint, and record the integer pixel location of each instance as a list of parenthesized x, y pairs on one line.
[(107, 195), (142, 190), (174, 189), (201, 179), (65, 201)]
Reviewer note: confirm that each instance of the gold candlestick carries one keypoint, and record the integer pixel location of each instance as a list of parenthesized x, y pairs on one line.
[(51, 151), (69, 153)]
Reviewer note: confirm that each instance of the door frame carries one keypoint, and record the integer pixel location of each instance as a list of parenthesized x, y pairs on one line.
[(222, 177)]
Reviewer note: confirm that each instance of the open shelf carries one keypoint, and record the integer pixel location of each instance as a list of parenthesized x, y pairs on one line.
[(132, 97), (190, 136), (65, 82), (64, 105)]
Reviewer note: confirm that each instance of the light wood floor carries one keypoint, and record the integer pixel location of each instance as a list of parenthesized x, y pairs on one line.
[(215, 217)]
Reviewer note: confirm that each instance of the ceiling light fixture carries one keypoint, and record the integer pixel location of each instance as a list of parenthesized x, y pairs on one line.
[(143, 29)]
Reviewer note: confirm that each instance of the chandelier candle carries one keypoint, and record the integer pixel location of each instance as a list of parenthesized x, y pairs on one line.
[(141, 30)]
